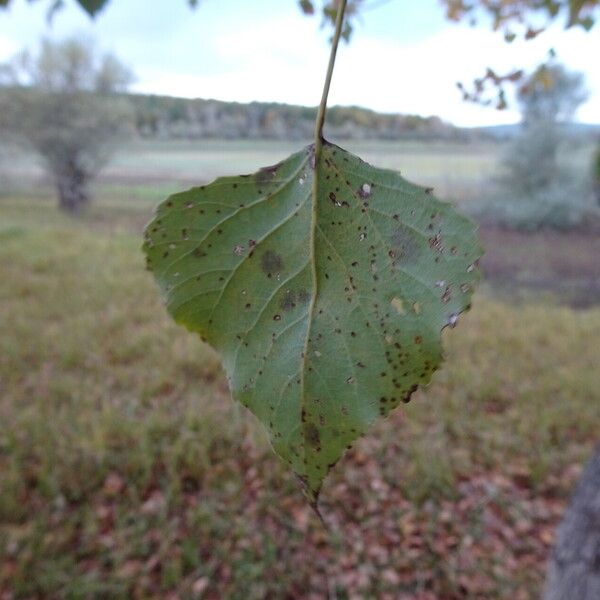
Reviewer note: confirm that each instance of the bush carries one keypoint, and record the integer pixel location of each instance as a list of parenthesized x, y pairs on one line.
[(562, 205), (536, 189)]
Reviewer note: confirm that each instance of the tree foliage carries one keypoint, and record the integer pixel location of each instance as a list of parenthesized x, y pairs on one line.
[(60, 101), (91, 7), (516, 19), (328, 9), (187, 118), (551, 95), (530, 17)]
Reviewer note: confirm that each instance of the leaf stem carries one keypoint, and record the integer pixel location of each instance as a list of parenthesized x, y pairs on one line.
[(323, 106)]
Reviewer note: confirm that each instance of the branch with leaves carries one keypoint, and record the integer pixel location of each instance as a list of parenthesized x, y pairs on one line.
[(516, 19), (91, 7)]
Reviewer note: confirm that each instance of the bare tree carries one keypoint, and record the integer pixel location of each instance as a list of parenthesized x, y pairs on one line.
[(63, 102)]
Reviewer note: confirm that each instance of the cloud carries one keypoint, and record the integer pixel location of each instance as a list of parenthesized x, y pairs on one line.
[(284, 60), (7, 47)]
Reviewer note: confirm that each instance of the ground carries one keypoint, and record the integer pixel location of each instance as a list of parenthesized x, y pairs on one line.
[(126, 471)]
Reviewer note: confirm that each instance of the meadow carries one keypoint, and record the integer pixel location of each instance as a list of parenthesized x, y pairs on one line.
[(146, 169), (126, 471)]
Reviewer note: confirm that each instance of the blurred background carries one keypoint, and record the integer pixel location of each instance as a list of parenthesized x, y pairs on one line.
[(126, 471)]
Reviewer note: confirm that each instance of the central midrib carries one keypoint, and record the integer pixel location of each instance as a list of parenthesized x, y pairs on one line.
[(313, 269)]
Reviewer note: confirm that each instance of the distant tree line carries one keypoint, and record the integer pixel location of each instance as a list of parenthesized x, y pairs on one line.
[(169, 117)]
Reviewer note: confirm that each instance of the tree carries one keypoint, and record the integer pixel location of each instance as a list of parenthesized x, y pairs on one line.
[(61, 101), (574, 570), (551, 95), (548, 100), (537, 188)]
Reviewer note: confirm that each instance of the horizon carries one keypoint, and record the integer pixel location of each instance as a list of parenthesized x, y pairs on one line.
[(232, 52), (354, 106)]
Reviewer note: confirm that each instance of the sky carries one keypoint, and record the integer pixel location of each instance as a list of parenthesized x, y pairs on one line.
[(404, 56)]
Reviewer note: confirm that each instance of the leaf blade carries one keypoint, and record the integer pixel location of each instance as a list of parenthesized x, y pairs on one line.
[(324, 295)]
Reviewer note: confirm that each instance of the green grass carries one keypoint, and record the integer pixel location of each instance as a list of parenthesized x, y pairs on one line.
[(127, 471)]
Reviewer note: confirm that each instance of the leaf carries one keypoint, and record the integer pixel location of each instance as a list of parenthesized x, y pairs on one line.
[(92, 7), (307, 7), (575, 8), (324, 287)]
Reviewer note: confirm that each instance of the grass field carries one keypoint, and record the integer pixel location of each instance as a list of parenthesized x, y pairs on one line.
[(148, 169), (127, 472)]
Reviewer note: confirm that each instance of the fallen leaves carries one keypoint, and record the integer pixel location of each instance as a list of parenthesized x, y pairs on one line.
[(488, 537)]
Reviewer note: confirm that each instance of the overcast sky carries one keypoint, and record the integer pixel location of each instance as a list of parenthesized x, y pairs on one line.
[(404, 56)]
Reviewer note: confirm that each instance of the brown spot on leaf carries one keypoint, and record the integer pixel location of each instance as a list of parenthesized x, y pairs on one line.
[(302, 297), (266, 174), (435, 242), (404, 246), (312, 435), (410, 392), (288, 301), (271, 263)]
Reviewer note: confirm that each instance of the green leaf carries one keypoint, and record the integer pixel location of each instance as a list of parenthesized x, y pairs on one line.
[(325, 289)]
